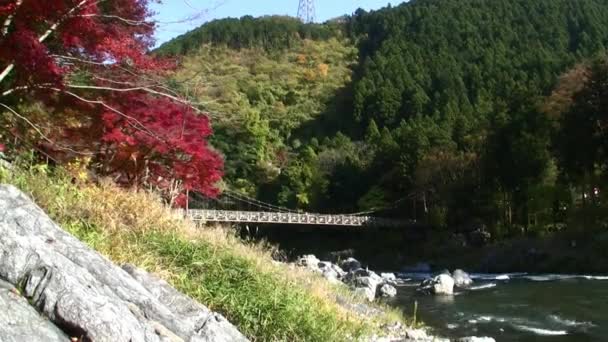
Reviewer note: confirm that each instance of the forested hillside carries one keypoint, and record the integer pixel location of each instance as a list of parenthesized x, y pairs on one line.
[(450, 110)]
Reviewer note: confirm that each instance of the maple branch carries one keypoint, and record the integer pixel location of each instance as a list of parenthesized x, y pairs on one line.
[(9, 19), (44, 36), (6, 71), (39, 131), (135, 88), (54, 27), (12, 90), (142, 127), (80, 60)]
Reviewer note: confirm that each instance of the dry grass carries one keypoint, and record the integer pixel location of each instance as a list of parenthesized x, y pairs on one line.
[(266, 300)]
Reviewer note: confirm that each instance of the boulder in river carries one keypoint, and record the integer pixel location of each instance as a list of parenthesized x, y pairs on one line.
[(462, 278), (387, 290), (476, 339), (82, 293), (443, 284)]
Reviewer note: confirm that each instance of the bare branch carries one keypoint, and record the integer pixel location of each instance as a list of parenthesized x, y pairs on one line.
[(137, 88), (79, 60), (6, 71), (124, 20), (12, 90), (9, 19)]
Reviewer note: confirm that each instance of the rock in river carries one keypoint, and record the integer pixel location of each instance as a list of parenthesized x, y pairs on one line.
[(442, 284), (462, 278), (387, 290)]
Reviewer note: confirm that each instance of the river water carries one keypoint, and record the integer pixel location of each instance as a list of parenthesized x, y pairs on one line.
[(515, 307)]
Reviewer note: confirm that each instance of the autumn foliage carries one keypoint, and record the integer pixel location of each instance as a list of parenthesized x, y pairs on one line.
[(91, 57)]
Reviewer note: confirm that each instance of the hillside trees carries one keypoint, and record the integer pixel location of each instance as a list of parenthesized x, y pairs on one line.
[(581, 142), (439, 112), (264, 99), (86, 61)]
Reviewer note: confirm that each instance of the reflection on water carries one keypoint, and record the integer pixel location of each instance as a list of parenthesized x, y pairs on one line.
[(517, 307)]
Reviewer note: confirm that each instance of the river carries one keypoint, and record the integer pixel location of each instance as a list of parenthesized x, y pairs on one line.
[(515, 307)]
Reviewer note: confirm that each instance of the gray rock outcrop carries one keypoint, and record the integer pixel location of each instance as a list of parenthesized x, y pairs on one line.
[(15, 310), (84, 294)]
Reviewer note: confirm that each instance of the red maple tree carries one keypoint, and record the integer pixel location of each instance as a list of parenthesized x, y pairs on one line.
[(92, 56)]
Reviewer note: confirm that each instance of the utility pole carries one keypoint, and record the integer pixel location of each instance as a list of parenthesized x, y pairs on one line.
[(306, 11)]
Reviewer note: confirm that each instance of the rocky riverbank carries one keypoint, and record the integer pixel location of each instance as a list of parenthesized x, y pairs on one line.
[(55, 288), (349, 272), (373, 286)]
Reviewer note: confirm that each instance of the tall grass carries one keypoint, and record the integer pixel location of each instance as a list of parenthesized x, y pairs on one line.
[(267, 301)]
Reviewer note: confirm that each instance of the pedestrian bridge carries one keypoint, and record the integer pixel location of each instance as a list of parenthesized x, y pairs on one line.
[(266, 217)]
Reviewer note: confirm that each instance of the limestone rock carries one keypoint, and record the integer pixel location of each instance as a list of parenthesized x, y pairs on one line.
[(350, 264), (21, 322), (387, 290), (476, 339), (309, 261), (211, 325), (367, 292), (443, 285), (462, 278), (85, 294), (388, 277), (417, 334)]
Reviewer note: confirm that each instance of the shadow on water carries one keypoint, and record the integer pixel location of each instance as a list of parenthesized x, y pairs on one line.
[(377, 247)]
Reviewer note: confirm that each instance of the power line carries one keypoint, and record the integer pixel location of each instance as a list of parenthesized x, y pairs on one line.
[(257, 202)]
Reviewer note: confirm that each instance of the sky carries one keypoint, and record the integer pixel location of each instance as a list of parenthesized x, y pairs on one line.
[(180, 16)]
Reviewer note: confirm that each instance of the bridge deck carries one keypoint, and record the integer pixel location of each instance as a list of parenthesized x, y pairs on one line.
[(206, 215)]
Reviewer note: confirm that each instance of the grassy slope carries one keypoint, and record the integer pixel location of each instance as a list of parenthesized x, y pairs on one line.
[(267, 301)]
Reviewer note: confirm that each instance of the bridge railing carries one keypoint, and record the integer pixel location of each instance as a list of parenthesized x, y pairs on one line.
[(210, 215)]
